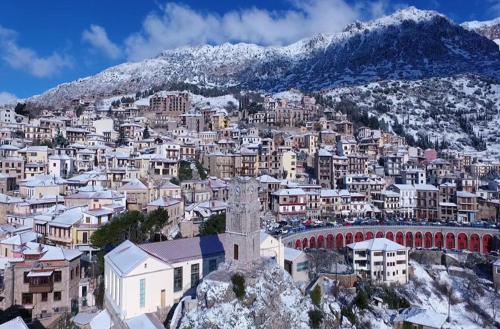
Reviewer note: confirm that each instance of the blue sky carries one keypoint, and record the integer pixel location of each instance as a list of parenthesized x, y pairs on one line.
[(44, 43)]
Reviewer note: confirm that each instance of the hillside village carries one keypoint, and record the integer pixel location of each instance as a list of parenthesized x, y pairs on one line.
[(346, 180), (93, 191)]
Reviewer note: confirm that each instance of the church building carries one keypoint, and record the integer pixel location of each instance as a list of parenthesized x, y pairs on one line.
[(152, 277)]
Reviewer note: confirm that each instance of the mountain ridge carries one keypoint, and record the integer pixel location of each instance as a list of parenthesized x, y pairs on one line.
[(409, 44)]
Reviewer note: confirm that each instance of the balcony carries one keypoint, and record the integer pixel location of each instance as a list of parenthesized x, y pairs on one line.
[(40, 281), (60, 239)]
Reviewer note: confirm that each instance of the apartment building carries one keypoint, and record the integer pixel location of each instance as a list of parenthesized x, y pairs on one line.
[(170, 104), (427, 202), (380, 260), (289, 203), (467, 207), (41, 278)]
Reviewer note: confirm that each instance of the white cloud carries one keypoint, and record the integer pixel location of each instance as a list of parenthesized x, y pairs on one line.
[(7, 98), (27, 59), (97, 37), (178, 25)]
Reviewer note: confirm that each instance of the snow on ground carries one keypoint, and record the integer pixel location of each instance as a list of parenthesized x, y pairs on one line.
[(271, 298), (433, 106), (291, 95), (105, 103), (219, 101), (423, 293)]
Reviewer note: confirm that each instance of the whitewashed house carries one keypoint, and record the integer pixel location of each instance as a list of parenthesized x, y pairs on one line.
[(154, 276), (135, 282)]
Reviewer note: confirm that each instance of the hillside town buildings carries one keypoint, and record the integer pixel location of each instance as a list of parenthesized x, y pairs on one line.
[(304, 165)]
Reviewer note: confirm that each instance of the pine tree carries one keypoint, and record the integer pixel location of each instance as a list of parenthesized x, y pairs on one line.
[(121, 137), (145, 133)]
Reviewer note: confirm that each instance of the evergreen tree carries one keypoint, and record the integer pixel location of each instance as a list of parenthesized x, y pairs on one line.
[(60, 140), (145, 133), (121, 137), (21, 109), (214, 225)]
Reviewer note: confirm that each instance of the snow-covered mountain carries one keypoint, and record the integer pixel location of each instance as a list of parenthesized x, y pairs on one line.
[(410, 44), (451, 109), (489, 29)]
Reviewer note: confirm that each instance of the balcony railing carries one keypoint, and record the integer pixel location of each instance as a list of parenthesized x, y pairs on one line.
[(41, 287)]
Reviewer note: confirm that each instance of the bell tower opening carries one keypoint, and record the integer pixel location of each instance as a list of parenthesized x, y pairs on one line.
[(235, 252)]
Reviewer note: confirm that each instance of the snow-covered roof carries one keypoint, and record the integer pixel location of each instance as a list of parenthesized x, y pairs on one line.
[(168, 185), (126, 257), (16, 323), (423, 317), (85, 177), (68, 217), (50, 253), (43, 180), (404, 187), (425, 187), (465, 194), (447, 204), (328, 193), (21, 238), (289, 192), (84, 318), (101, 321), (292, 254), (9, 199), (164, 202), (268, 179), (133, 184), (376, 244), (324, 153)]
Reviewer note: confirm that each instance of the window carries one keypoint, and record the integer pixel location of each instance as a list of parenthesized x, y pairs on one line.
[(25, 277), (44, 296), (195, 274), (212, 265), (57, 276), (142, 293), (177, 279), (303, 266), (71, 274), (27, 298), (57, 295)]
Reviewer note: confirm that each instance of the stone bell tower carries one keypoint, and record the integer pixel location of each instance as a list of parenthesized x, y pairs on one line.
[(242, 238)]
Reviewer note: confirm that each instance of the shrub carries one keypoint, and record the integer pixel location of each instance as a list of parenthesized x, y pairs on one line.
[(238, 285), (393, 300), (361, 299), (316, 295), (315, 318), (349, 314)]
